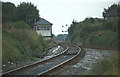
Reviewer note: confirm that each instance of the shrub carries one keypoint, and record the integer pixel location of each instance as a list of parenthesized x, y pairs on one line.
[(22, 44), (16, 25), (20, 25)]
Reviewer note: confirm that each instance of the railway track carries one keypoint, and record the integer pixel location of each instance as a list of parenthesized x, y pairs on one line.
[(48, 65)]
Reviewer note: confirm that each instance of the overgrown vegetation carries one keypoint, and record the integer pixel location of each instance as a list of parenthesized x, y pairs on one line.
[(96, 31), (21, 43), (60, 37), (111, 11), (101, 33), (26, 12)]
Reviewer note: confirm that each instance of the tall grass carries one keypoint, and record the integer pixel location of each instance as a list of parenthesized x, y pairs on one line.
[(21, 43)]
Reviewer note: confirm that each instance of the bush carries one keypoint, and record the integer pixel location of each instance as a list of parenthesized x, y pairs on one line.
[(20, 25), (16, 25), (9, 49), (101, 33), (22, 44)]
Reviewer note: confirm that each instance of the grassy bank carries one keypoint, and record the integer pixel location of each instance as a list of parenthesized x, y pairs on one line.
[(94, 32), (20, 43)]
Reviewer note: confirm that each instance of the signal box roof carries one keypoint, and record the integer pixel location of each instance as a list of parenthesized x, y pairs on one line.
[(43, 21)]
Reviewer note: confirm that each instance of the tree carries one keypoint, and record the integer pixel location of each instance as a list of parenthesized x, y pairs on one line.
[(112, 11), (8, 12), (27, 12)]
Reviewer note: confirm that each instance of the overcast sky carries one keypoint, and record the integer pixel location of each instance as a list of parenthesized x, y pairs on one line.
[(62, 12)]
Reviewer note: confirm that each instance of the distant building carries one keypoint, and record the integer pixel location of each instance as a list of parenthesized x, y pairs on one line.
[(44, 28)]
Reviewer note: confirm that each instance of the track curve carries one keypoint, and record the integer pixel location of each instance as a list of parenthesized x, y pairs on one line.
[(42, 68)]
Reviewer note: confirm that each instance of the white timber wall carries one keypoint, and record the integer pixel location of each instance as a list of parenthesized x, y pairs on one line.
[(43, 31)]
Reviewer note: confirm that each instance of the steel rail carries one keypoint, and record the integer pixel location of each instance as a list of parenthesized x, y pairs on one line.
[(38, 62), (68, 60)]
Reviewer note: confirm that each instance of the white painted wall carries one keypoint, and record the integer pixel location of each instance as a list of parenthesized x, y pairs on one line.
[(44, 32)]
